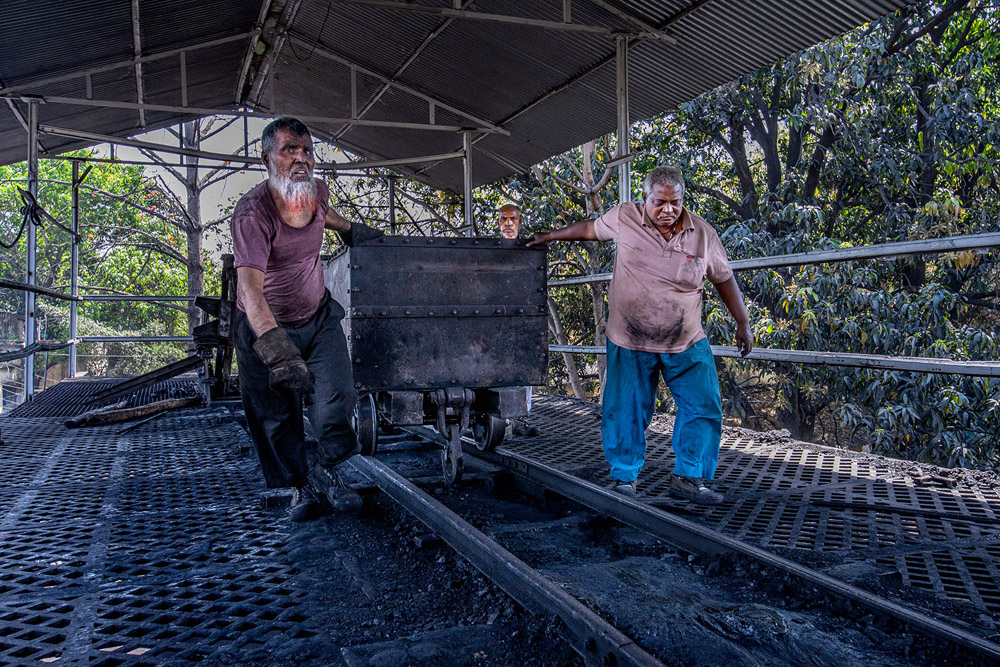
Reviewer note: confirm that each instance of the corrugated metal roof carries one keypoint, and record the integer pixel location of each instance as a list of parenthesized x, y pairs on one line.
[(551, 89)]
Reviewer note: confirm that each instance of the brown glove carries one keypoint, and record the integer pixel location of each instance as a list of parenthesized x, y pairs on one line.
[(284, 361)]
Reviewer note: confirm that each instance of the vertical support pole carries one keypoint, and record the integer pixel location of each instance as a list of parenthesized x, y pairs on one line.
[(29, 297), (74, 267), (270, 83), (624, 170), (184, 79), (392, 206), (354, 94), (467, 190)]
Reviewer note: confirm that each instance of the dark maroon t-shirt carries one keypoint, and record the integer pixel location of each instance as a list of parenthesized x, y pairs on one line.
[(288, 256)]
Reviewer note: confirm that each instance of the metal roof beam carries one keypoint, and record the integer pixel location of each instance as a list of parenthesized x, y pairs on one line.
[(24, 123), (137, 51), (265, 8), (266, 70), (399, 72), (613, 57), (90, 71), (486, 126), (204, 111), (628, 17), (239, 159), (516, 20)]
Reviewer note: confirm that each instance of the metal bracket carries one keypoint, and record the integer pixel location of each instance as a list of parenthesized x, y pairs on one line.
[(460, 401)]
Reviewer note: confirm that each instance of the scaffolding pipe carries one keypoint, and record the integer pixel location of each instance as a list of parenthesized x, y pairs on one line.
[(392, 206), (467, 181), (966, 242), (74, 267), (135, 298), (987, 369), (136, 339), (29, 297), (621, 95)]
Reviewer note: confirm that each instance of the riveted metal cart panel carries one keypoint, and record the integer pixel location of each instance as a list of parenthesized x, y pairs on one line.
[(428, 313)]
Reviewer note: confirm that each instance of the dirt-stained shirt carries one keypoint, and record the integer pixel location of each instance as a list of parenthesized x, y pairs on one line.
[(288, 256), (656, 289)]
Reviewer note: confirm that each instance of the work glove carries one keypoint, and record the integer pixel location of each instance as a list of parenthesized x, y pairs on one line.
[(284, 361)]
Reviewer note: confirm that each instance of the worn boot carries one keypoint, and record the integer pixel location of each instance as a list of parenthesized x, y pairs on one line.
[(627, 489), (341, 495), (518, 426), (306, 505), (693, 489)]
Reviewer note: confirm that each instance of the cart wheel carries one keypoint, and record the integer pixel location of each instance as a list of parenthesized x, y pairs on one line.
[(366, 424), (451, 457), (488, 432)]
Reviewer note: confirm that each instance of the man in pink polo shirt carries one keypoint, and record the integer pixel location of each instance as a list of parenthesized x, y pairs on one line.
[(663, 254), (289, 341)]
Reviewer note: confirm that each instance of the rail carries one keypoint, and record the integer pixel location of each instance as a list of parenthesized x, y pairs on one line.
[(854, 360), (592, 636), (968, 242), (694, 537), (32, 349), (877, 251)]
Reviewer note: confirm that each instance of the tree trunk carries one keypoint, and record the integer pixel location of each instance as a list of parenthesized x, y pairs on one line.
[(195, 268), (555, 325)]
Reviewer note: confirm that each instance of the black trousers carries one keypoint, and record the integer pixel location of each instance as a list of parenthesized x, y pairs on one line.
[(275, 417)]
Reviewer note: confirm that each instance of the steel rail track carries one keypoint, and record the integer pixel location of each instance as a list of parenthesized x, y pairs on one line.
[(596, 640), (694, 537)]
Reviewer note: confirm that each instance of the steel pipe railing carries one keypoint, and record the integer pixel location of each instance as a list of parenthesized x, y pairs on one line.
[(878, 251), (136, 339), (136, 298), (876, 361)]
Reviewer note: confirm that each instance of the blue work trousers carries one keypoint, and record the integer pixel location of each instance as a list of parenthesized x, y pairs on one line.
[(629, 400)]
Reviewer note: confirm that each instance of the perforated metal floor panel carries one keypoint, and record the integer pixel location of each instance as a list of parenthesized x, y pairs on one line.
[(74, 396), (839, 506), (146, 547)]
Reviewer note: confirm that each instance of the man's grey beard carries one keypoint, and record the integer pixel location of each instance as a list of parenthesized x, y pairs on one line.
[(297, 195)]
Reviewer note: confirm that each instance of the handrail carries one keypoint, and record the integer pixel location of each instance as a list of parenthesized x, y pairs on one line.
[(134, 297), (25, 287), (896, 249), (32, 349), (135, 339), (877, 361)]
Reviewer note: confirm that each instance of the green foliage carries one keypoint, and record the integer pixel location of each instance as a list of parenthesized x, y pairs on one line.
[(125, 248), (889, 132)]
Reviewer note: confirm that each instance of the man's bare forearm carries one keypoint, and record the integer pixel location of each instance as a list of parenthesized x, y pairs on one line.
[(733, 298), (251, 286), (578, 231)]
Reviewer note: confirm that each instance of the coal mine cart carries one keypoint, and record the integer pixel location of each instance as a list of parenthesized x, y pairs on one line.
[(444, 333)]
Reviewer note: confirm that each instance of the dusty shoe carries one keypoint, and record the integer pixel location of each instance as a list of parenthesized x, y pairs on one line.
[(624, 488), (520, 427), (306, 505), (693, 489), (341, 495)]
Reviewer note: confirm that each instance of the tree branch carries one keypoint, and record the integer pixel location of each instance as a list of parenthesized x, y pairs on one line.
[(162, 163), (158, 245)]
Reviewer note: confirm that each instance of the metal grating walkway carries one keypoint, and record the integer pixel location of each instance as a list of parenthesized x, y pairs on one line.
[(829, 508), (145, 547), (148, 546), (72, 396)]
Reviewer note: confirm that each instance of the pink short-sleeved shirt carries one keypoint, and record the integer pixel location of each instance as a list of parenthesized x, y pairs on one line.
[(656, 288), (288, 256)]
